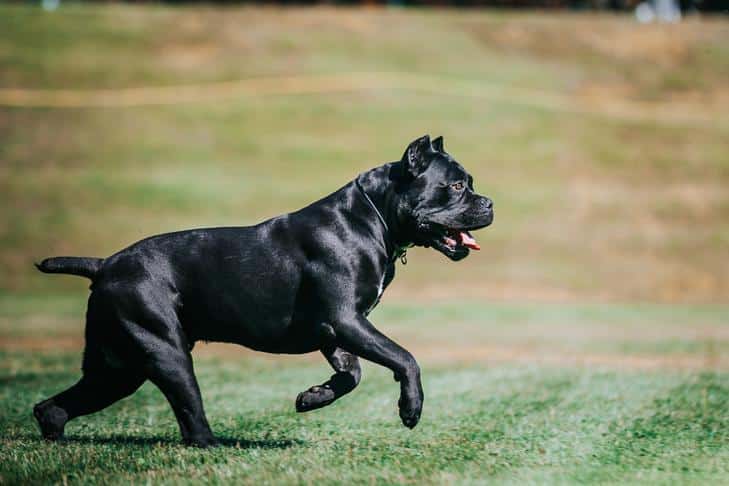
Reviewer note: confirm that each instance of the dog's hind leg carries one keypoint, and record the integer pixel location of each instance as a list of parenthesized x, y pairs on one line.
[(105, 379), (99, 387), (163, 353), (346, 378), (170, 368)]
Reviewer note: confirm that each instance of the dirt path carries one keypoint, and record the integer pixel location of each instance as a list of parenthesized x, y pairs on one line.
[(431, 354), (664, 113)]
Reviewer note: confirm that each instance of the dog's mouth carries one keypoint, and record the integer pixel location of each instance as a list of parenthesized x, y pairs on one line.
[(455, 243), (454, 238)]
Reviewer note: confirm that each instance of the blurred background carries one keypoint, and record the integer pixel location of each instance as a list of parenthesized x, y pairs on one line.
[(600, 131), (603, 141)]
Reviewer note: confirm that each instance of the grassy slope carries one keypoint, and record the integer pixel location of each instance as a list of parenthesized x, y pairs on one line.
[(587, 206)]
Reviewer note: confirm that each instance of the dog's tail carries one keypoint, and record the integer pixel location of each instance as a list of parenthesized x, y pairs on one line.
[(83, 266)]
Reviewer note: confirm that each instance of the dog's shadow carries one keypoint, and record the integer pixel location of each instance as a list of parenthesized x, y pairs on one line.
[(125, 440)]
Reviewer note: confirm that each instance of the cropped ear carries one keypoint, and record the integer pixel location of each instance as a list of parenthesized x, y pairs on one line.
[(438, 144), (415, 159)]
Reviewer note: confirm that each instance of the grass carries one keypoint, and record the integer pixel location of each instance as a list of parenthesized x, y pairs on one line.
[(511, 424), (587, 342), (538, 393), (643, 197)]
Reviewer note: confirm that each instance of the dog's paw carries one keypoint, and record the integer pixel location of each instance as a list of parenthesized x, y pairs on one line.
[(202, 442), (51, 419), (410, 410), (313, 398)]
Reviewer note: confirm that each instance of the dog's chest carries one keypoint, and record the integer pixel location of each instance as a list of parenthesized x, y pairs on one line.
[(387, 277), (380, 290)]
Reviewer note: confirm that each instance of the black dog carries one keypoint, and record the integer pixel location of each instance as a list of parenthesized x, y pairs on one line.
[(296, 283)]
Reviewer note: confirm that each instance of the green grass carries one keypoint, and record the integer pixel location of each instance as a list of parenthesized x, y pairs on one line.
[(537, 393), (572, 188), (586, 343), (510, 424)]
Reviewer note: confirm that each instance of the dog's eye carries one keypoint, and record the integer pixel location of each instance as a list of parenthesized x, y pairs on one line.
[(458, 186)]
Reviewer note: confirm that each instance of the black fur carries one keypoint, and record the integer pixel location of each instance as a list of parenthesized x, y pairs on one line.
[(82, 266), (297, 283)]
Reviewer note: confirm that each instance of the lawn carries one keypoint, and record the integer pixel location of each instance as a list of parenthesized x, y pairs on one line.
[(540, 393), (511, 424), (606, 157), (588, 342), (536, 422)]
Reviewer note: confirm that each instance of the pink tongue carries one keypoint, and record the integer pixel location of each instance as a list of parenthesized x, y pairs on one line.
[(469, 241)]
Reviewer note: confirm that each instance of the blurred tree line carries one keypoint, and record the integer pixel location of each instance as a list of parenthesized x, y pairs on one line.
[(615, 5)]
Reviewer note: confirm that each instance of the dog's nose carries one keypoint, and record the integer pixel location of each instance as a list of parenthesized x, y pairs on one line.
[(487, 203)]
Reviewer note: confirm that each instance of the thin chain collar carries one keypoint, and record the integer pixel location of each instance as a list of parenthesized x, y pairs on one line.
[(400, 252)]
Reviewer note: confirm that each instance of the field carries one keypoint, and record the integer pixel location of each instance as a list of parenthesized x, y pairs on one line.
[(588, 342)]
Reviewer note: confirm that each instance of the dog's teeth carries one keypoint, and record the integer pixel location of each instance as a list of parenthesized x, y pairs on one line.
[(450, 241)]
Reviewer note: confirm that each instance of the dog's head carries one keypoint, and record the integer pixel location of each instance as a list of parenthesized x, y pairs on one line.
[(438, 198)]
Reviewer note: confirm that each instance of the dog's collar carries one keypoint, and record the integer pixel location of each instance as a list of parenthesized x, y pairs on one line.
[(401, 251), (377, 211)]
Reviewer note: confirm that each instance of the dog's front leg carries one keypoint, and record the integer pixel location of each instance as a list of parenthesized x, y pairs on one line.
[(346, 378), (358, 336)]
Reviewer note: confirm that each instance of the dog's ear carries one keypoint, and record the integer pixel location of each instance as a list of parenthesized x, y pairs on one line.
[(416, 157), (438, 144)]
